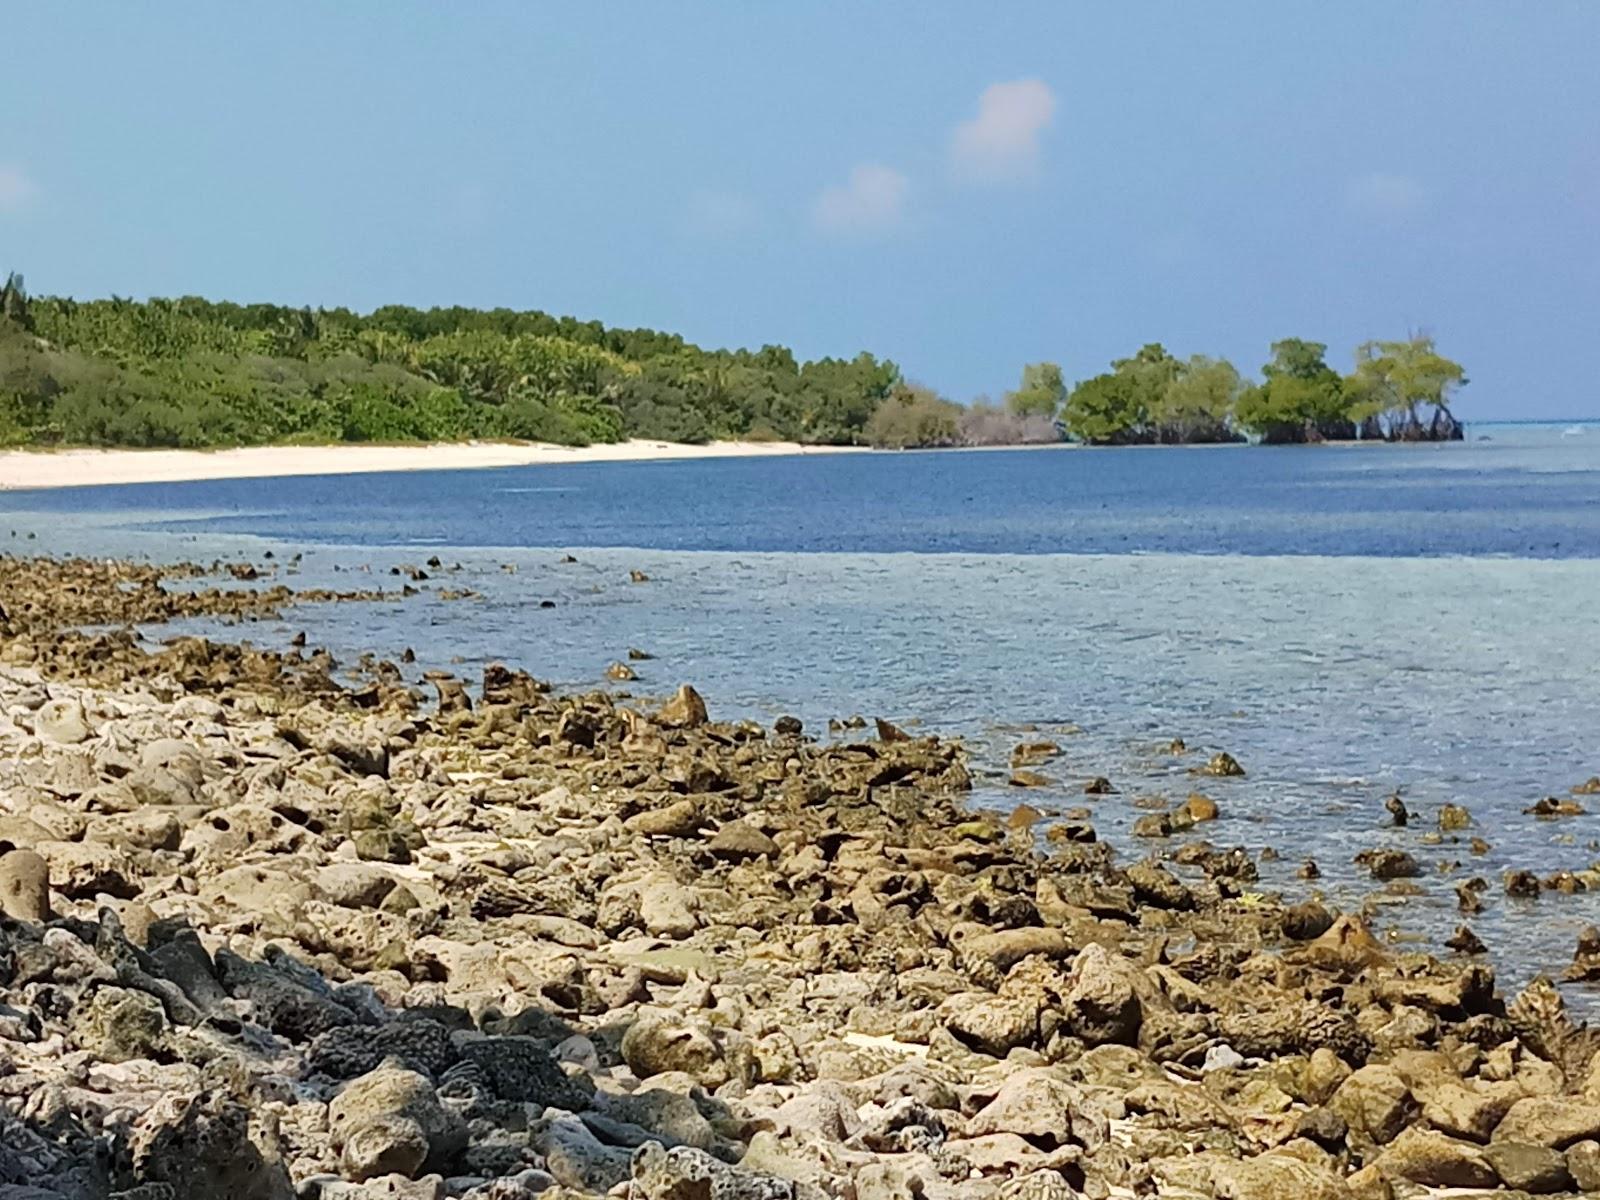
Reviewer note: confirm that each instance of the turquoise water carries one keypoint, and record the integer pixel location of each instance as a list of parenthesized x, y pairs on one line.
[(1344, 621)]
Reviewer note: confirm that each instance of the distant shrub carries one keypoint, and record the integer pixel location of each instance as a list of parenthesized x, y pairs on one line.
[(914, 416), (984, 425)]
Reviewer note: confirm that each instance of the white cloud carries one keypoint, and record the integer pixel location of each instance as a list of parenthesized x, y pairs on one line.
[(871, 201), (17, 188), (1386, 197), (1001, 143), (715, 214)]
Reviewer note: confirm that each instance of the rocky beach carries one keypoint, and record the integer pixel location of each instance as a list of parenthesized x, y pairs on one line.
[(270, 931)]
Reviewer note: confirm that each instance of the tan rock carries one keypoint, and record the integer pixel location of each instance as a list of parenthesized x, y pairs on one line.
[(1555, 1121), (686, 710), (24, 886), (1434, 1159), (1375, 1103)]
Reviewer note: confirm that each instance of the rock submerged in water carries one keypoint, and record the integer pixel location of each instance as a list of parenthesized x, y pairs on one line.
[(1585, 966), (1031, 754), (1220, 765), (1389, 863), (1552, 807)]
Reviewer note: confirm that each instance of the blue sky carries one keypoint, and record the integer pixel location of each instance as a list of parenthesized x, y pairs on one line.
[(961, 188)]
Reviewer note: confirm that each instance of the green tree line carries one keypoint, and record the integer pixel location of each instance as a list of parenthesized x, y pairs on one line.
[(1398, 391), (190, 372), (194, 373)]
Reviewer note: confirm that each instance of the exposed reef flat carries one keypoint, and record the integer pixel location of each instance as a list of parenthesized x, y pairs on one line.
[(270, 932)]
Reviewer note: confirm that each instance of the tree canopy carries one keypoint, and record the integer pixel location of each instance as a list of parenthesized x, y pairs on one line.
[(1041, 393), (192, 372), (1394, 380)]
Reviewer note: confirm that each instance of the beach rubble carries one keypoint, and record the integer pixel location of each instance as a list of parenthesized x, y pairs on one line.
[(267, 935)]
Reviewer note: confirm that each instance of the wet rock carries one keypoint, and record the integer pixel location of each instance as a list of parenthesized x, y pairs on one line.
[(788, 727), (1453, 817), (1155, 885), (1155, 825), (621, 672), (1524, 885), (1586, 958), (1023, 778), (1222, 765), (390, 1121), (1307, 921), (1099, 786), (24, 886), (1552, 807), (1589, 787), (1389, 864), (1464, 941), (1347, 947), (1031, 754), (1197, 808)]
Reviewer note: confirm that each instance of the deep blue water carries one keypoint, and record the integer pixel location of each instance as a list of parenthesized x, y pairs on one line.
[(1526, 492)]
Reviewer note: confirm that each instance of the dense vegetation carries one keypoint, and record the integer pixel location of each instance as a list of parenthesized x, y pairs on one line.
[(1155, 398), (194, 373), (190, 372)]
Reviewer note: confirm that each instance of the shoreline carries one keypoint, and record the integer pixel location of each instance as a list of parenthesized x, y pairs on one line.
[(491, 930), (33, 470)]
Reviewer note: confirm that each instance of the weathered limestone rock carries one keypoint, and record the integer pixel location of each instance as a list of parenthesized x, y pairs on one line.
[(1433, 1159), (390, 1121), (24, 886)]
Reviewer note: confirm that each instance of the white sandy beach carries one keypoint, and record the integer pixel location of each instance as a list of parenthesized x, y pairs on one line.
[(20, 469)]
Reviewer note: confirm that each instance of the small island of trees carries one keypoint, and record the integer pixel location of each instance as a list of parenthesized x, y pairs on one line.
[(1399, 391), (191, 372)]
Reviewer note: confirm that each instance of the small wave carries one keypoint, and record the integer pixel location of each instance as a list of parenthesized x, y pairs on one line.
[(521, 490)]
